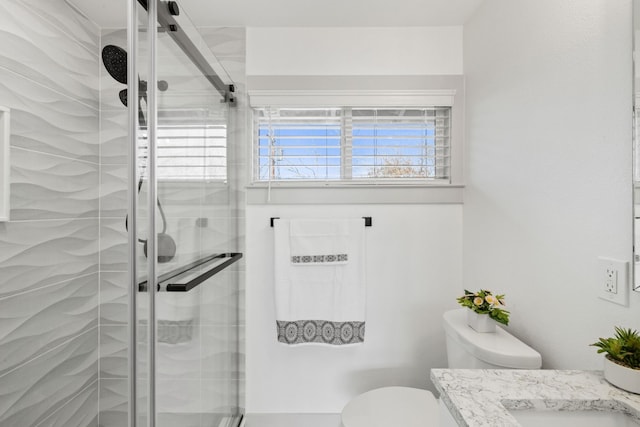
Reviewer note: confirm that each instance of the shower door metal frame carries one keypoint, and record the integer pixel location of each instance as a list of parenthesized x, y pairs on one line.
[(168, 23), (132, 224), (152, 196), (133, 178)]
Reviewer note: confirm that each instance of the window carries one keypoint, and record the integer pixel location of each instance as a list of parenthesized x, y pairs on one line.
[(192, 146), (352, 144)]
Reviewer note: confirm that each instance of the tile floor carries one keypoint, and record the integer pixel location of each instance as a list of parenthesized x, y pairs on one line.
[(292, 420)]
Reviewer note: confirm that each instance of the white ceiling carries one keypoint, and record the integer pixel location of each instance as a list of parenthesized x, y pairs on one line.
[(299, 13)]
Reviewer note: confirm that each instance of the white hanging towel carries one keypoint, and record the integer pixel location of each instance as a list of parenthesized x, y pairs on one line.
[(319, 281)]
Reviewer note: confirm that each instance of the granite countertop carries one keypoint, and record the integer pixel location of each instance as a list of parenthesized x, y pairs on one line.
[(482, 397)]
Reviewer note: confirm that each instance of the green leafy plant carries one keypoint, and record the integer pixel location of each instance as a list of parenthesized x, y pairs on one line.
[(623, 348), (483, 302)]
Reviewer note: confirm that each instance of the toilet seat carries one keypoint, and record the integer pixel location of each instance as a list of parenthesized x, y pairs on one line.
[(392, 406)]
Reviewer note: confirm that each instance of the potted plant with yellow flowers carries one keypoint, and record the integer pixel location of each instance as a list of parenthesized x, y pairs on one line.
[(485, 310), (622, 361)]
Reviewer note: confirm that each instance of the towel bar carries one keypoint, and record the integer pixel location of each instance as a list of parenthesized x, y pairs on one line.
[(184, 279), (368, 222)]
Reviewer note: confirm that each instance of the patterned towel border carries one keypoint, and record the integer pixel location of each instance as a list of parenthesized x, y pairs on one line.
[(320, 331), (318, 259)]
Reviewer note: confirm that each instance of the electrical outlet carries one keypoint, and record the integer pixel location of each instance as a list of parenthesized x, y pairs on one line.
[(613, 283), (610, 280)]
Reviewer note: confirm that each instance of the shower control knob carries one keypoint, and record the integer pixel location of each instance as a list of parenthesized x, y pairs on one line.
[(173, 8)]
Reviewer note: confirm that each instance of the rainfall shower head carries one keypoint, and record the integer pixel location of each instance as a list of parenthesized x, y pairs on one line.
[(115, 61), (123, 96)]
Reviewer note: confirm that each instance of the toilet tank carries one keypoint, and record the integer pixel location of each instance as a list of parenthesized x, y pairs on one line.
[(469, 349)]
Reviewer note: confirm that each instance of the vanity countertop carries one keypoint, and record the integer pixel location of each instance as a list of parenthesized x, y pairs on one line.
[(482, 397)]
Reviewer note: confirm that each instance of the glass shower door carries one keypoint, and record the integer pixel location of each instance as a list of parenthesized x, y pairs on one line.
[(191, 159), (186, 355)]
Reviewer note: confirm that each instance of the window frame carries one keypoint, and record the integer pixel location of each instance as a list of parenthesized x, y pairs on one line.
[(361, 91), (349, 123)]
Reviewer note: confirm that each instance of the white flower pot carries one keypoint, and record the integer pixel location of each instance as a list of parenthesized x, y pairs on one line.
[(480, 322), (622, 377)]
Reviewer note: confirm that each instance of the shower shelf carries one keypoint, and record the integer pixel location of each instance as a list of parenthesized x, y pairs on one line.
[(185, 278)]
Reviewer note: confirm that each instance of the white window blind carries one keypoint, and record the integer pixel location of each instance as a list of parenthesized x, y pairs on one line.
[(192, 145), (299, 144), (352, 143)]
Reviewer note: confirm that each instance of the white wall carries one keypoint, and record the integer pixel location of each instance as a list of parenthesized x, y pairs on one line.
[(413, 275), (354, 51), (549, 166), (413, 251)]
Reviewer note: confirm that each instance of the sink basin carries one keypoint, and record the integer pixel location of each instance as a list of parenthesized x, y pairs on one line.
[(550, 418)]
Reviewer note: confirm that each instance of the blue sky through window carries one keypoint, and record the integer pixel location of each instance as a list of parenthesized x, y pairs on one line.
[(372, 143)]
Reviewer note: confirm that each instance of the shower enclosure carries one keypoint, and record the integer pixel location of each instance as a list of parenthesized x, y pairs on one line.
[(120, 262), (182, 339)]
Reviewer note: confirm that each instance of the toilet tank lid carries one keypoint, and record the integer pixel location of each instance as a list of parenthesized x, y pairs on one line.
[(499, 348)]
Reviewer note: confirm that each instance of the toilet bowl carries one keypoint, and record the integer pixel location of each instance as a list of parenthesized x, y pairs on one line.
[(390, 406), (466, 348)]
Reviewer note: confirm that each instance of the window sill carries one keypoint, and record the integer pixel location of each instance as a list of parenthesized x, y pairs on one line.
[(312, 193)]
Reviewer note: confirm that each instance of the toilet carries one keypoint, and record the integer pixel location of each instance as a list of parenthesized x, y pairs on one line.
[(466, 348)]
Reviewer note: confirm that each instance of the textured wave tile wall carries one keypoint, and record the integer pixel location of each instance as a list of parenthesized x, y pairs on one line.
[(57, 13), (49, 249), (44, 120), (229, 46), (80, 411), (36, 46), (113, 298), (113, 402), (35, 322), (114, 146), (31, 393), (52, 187), (39, 253)]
